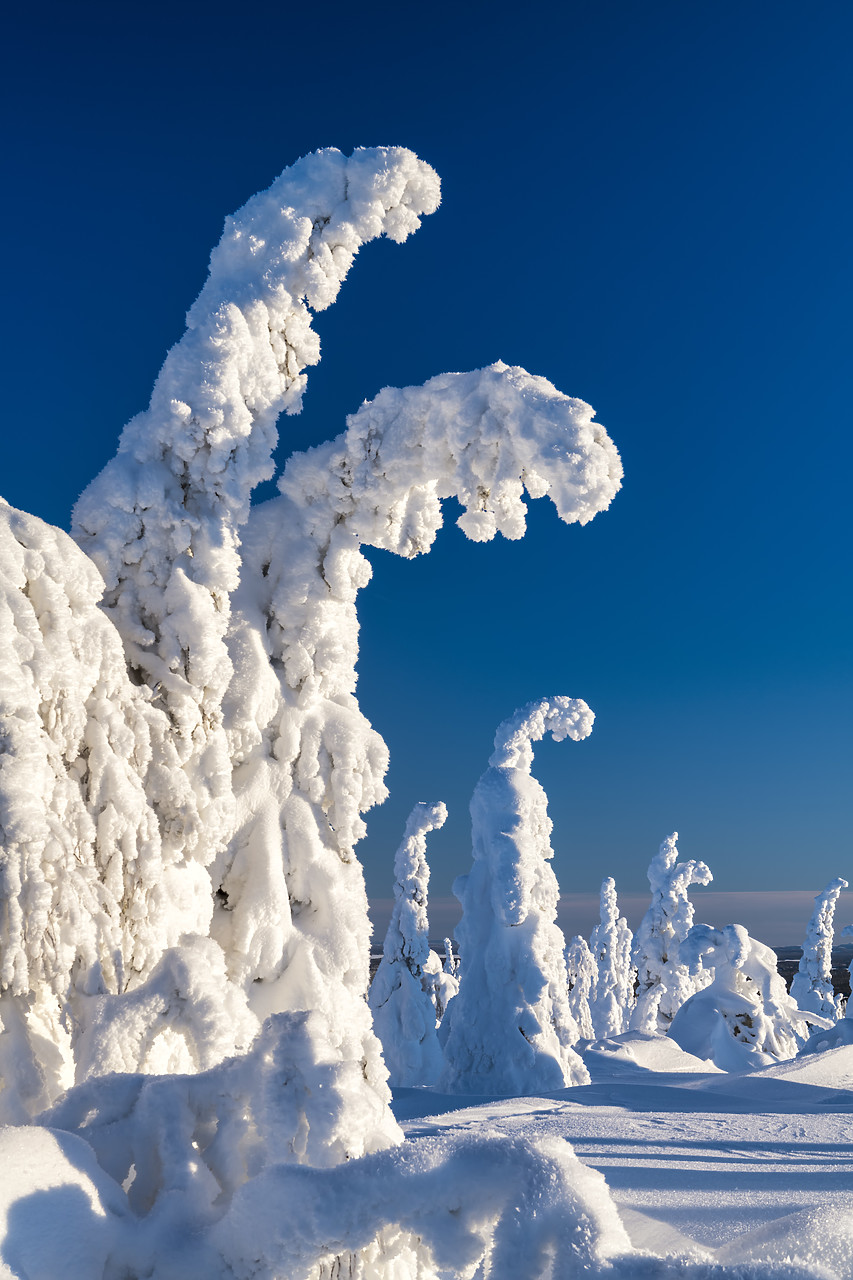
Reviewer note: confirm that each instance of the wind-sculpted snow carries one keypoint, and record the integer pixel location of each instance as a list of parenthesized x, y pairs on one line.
[(812, 987), (401, 994), (510, 1029)]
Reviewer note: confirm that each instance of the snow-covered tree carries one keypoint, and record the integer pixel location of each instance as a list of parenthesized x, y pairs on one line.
[(812, 988), (185, 765), (612, 997), (402, 994), (189, 761), (510, 1029), (581, 975), (664, 981), (745, 1017)]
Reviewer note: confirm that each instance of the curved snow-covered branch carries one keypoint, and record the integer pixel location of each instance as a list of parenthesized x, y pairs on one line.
[(161, 520), (561, 717)]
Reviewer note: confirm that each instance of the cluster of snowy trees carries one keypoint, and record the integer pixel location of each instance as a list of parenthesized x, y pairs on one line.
[(526, 999), (184, 769)]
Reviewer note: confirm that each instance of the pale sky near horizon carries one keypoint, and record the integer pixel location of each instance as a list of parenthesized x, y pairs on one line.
[(649, 205)]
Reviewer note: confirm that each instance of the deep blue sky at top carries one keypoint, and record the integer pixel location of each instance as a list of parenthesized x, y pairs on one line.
[(650, 204)]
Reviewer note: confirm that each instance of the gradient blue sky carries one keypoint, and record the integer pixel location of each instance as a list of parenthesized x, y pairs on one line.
[(648, 204)]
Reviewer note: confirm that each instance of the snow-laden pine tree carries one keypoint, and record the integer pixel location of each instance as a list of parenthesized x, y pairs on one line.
[(812, 988), (581, 975), (186, 765), (664, 981), (402, 995), (743, 1017), (510, 1029), (612, 997)]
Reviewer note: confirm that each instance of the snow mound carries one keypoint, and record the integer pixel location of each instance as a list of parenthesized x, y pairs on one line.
[(60, 1214), (820, 1240), (648, 1052)]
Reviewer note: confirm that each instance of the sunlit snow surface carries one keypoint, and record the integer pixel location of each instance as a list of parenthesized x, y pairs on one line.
[(709, 1176), (751, 1170)]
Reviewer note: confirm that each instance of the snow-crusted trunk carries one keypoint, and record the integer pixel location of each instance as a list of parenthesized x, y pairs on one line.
[(612, 998), (812, 988), (664, 982), (510, 1029), (402, 997)]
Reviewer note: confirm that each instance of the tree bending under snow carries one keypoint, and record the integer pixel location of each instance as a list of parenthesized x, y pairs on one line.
[(401, 994), (744, 1017), (185, 764), (510, 1029)]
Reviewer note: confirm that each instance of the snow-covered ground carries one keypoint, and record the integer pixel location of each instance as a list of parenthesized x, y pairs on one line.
[(754, 1168)]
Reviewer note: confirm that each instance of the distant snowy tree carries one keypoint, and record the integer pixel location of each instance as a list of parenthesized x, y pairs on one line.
[(745, 1018), (812, 987), (402, 995), (582, 976), (664, 981), (612, 997), (510, 1029), (451, 962)]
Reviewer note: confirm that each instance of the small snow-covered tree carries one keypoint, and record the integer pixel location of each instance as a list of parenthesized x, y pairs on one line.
[(612, 997), (812, 988), (745, 1017), (510, 1029), (663, 979), (581, 976), (402, 994)]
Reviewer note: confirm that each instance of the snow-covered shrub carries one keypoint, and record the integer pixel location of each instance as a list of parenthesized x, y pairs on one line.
[(812, 988), (664, 981), (612, 997), (510, 1029), (745, 1018), (582, 976), (402, 995)]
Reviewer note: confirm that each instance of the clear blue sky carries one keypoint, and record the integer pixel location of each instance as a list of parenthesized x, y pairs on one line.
[(650, 204)]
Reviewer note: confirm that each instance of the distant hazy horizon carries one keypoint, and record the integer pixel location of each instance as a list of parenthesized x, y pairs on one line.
[(776, 917)]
